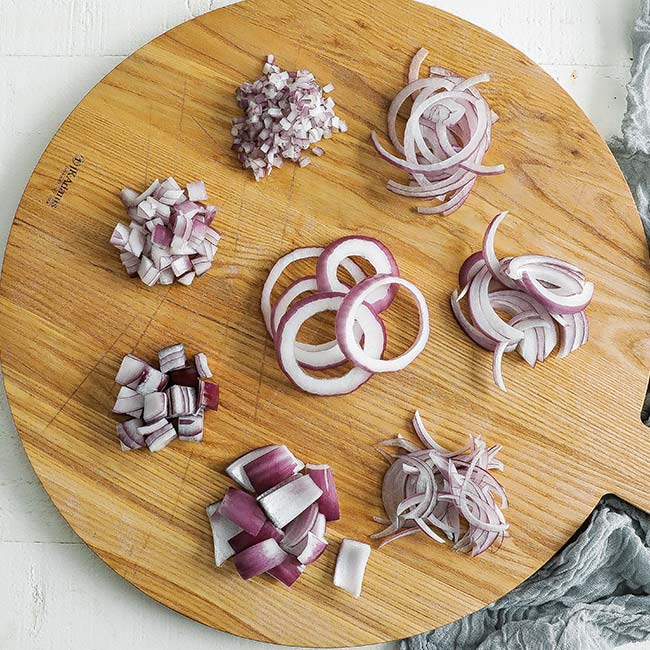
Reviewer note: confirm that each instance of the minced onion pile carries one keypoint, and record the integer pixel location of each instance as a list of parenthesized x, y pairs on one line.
[(360, 332), (452, 492), (166, 403), (169, 237), (446, 136), (538, 292), (275, 521), (286, 113)]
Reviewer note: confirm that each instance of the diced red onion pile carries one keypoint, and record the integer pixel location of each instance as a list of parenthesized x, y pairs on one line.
[(275, 521), (442, 493), (169, 237), (447, 134), (360, 332), (538, 292), (286, 113), (163, 404)]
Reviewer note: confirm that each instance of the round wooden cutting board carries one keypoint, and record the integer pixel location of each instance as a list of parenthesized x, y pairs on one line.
[(570, 428)]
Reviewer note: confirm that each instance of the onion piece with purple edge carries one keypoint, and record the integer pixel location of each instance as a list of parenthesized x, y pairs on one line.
[(374, 344), (161, 438), (272, 468), (282, 264), (208, 395), (202, 367), (152, 381), (196, 191), (320, 356), (236, 469), (258, 559), (130, 437), (433, 488), (172, 358), (285, 113), (314, 547), (368, 248), (298, 528), (182, 401), (155, 407), (242, 508), (284, 502), (244, 540), (128, 400), (351, 564), (328, 503), (190, 428), (288, 571), (130, 370), (347, 314), (187, 376), (223, 530)]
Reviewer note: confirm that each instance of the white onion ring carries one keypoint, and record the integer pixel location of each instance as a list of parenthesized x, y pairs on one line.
[(369, 249), (285, 344), (280, 266), (354, 301)]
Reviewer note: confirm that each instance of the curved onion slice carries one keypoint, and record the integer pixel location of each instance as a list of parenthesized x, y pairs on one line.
[(538, 292), (356, 301), (374, 343), (319, 356), (369, 249), (281, 265), (451, 491), (446, 137)]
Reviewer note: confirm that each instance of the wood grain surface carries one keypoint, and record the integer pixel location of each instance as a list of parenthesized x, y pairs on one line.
[(68, 313)]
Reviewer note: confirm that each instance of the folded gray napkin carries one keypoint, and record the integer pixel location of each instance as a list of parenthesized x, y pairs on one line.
[(595, 593)]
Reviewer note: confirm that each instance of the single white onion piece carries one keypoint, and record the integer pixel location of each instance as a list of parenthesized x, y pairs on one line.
[(351, 564)]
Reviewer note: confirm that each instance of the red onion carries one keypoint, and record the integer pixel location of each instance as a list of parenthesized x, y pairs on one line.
[(258, 559), (537, 292), (290, 502), (366, 247), (347, 315), (286, 113), (288, 571), (242, 508), (223, 530), (166, 231), (190, 428), (142, 398), (201, 364), (162, 437), (360, 333), (172, 358), (130, 437), (351, 566), (374, 344), (328, 502), (270, 469), (446, 136), (155, 407), (284, 502), (451, 491), (245, 540)]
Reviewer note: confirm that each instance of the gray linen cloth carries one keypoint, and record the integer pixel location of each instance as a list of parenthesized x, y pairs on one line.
[(595, 593)]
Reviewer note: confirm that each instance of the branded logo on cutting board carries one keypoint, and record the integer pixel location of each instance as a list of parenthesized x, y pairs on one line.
[(66, 179)]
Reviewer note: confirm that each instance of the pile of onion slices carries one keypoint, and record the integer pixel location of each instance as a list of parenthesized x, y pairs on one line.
[(538, 292), (447, 134), (360, 332), (442, 493)]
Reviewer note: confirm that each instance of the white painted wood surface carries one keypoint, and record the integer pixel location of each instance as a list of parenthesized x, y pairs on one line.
[(54, 593)]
